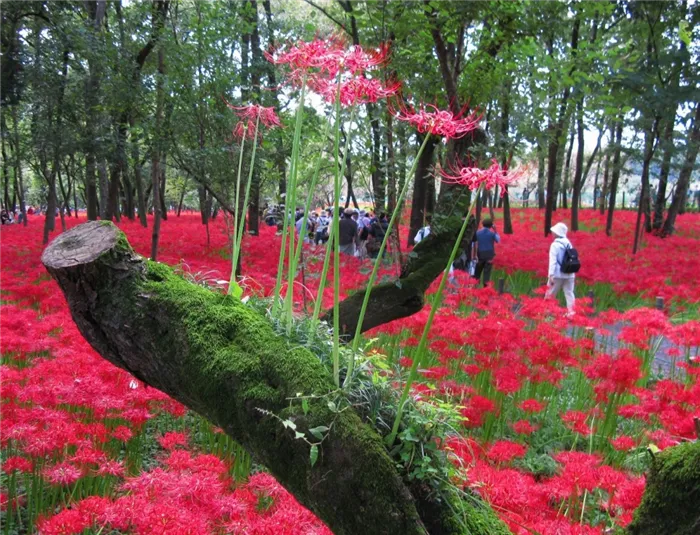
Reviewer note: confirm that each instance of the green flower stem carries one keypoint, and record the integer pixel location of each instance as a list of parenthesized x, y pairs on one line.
[(288, 303), (420, 352), (235, 218), (290, 187), (336, 244), (239, 238), (375, 269)]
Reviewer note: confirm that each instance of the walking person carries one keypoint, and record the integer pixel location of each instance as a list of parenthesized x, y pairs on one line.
[(486, 240), (347, 233), (558, 279)]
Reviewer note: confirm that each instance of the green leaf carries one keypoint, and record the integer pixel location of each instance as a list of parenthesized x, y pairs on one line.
[(313, 455), (236, 290), (332, 406), (297, 434), (305, 405), (318, 431), (683, 33), (289, 424)]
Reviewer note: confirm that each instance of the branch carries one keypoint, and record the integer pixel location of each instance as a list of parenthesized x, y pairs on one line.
[(328, 15)]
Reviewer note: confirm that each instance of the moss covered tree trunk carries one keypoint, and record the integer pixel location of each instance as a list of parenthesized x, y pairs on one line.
[(671, 503), (220, 358)]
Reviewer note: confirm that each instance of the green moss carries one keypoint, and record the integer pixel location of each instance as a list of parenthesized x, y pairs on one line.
[(671, 502)]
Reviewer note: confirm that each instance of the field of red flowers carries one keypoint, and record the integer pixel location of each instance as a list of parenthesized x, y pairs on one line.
[(557, 414)]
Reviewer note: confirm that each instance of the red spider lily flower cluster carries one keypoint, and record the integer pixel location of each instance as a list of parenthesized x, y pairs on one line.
[(473, 177), (325, 63), (251, 115), (439, 122)]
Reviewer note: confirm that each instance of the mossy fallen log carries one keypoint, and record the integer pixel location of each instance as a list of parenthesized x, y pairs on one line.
[(222, 359), (671, 502), (405, 296)]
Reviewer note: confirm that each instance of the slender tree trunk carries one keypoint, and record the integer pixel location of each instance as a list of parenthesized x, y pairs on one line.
[(567, 169), (540, 178), (5, 163), (18, 164), (420, 189), (390, 164), (578, 172), (667, 144), (679, 197), (649, 141), (138, 180), (617, 168), (155, 162)]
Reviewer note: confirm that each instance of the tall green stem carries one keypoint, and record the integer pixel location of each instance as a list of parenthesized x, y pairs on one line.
[(336, 245), (420, 352), (293, 264), (291, 187), (234, 257), (241, 226), (375, 269)]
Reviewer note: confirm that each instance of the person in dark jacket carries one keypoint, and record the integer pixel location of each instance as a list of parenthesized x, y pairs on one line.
[(486, 239), (347, 232)]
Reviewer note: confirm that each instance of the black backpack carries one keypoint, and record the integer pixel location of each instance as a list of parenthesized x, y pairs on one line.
[(570, 263)]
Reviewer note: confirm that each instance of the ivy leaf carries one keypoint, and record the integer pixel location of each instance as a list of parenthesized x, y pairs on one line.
[(318, 431), (332, 406), (313, 455), (289, 424), (236, 290), (297, 434)]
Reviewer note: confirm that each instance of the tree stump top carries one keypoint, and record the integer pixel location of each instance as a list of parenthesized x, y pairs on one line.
[(80, 245)]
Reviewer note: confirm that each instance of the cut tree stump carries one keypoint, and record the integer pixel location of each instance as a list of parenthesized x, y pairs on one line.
[(223, 360)]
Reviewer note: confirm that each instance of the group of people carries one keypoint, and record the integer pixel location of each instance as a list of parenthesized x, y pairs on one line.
[(360, 232), (479, 262), (8, 217)]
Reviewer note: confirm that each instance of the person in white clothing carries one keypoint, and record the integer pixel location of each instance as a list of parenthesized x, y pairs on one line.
[(423, 232), (556, 279)]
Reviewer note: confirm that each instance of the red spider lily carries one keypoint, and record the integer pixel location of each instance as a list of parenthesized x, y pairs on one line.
[(323, 54), (172, 439), (473, 177), (623, 443), (62, 474), (504, 451), (16, 463), (256, 112), (358, 90), (439, 122)]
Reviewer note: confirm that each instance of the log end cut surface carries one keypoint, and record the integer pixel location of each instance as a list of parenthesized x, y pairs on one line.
[(81, 245)]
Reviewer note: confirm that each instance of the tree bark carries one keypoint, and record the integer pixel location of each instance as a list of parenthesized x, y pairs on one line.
[(420, 189), (649, 141), (615, 176), (220, 358), (155, 160), (578, 172), (669, 149), (684, 176)]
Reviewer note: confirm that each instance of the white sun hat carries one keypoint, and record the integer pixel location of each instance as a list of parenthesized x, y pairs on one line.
[(560, 229)]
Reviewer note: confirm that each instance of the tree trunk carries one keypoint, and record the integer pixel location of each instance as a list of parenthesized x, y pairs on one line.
[(540, 178), (668, 148), (18, 165), (138, 181), (220, 358), (684, 176), (578, 172), (155, 162), (104, 186), (420, 188), (565, 175), (649, 141), (615, 176), (672, 494)]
